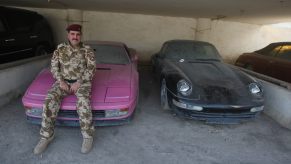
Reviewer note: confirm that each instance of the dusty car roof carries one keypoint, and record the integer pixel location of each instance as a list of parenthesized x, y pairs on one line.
[(270, 46), (279, 43)]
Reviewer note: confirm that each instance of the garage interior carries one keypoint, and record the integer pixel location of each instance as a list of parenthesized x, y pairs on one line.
[(233, 26)]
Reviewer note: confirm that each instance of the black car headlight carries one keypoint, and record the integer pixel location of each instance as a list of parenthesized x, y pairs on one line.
[(184, 87), (254, 88)]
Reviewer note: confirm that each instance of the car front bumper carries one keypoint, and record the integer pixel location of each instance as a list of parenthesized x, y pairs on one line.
[(112, 114), (213, 113), (63, 122)]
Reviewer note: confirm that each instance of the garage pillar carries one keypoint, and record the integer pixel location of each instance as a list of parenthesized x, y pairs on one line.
[(203, 29), (74, 16)]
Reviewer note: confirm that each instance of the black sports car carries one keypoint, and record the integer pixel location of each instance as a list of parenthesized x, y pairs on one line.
[(195, 83)]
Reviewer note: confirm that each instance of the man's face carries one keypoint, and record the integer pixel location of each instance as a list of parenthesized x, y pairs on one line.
[(74, 37)]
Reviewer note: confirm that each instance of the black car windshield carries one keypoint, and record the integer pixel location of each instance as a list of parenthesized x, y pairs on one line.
[(110, 54), (190, 51)]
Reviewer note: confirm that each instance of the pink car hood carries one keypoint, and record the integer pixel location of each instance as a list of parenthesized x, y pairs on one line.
[(111, 83)]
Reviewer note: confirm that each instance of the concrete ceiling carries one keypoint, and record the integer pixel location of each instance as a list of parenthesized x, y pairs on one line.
[(245, 11)]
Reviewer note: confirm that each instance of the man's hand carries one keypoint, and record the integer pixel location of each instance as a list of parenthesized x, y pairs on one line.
[(64, 86), (74, 87)]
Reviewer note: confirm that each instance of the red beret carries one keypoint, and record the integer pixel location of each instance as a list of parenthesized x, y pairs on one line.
[(74, 27)]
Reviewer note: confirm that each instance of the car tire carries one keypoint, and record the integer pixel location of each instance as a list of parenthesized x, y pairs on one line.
[(40, 50), (164, 96)]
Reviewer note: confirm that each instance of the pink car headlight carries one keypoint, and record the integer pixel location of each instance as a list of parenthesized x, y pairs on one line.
[(33, 111), (116, 112)]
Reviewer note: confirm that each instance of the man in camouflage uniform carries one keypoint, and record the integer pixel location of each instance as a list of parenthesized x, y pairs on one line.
[(73, 66)]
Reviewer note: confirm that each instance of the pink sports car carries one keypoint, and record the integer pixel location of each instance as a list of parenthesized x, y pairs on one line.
[(114, 92)]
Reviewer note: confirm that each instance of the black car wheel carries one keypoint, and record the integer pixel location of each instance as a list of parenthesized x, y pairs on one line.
[(40, 50), (164, 96)]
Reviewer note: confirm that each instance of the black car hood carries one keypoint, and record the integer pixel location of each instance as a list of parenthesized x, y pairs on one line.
[(214, 82)]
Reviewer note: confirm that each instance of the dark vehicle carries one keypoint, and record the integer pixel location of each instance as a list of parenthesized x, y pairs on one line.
[(196, 84), (273, 60), (23, 34)]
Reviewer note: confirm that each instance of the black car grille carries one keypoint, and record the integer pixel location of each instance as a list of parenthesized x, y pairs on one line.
[(233, 111), (209, 113), (74, 114)]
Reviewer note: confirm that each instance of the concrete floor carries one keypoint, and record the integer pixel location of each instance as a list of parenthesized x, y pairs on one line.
[(153, 137)]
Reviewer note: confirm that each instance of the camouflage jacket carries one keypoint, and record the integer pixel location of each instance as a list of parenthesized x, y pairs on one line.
[(73, 63)]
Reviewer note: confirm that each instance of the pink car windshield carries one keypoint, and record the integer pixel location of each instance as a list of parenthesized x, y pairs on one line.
[(110, 54)]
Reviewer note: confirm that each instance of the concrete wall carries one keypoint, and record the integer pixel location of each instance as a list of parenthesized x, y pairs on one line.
[(143, 32), (16, 76), (277, 103), (146, 33)]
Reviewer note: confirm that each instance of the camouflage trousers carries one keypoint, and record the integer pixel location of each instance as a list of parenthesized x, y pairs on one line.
[(52, 105)]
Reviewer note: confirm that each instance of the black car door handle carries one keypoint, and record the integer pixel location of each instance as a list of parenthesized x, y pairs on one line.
[(9, 40)]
